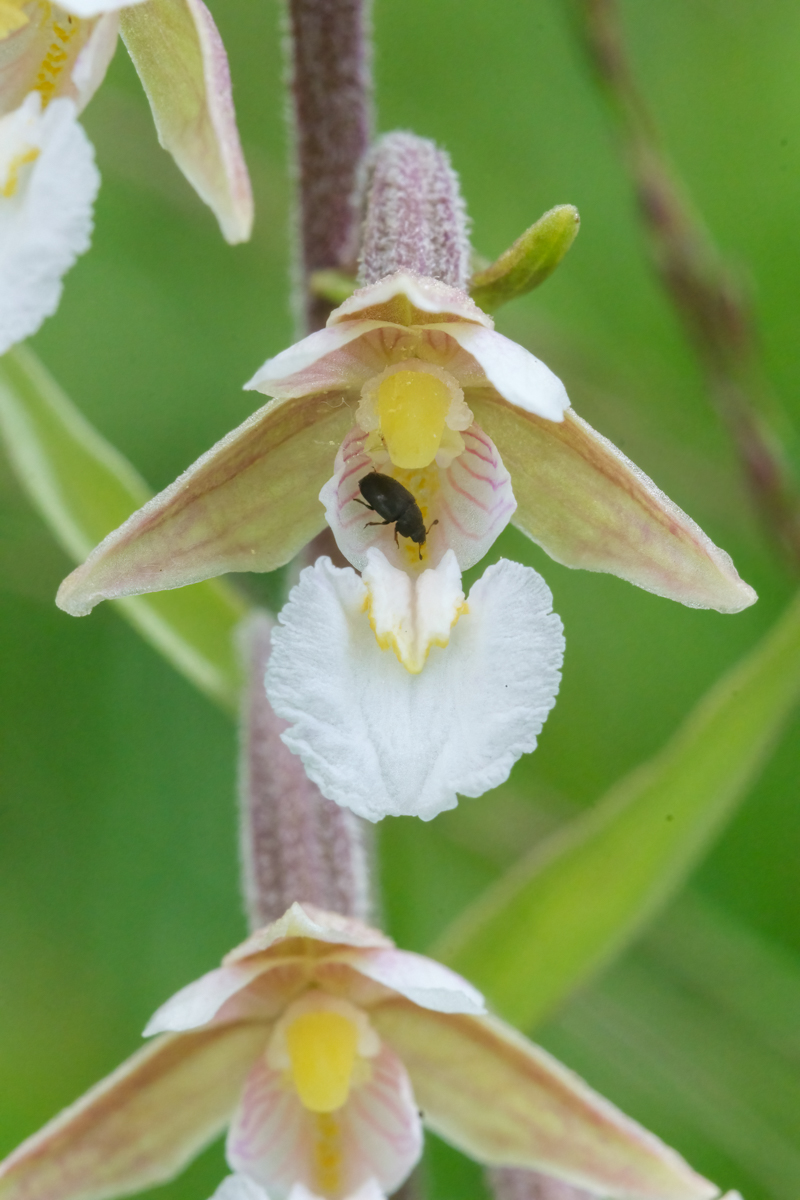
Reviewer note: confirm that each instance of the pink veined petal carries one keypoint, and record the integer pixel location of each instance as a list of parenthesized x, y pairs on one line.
[(93, 61), (421, 980), (504, 1101), (338, 359), (142, 1124), (410, 300), (256, 989), (277, 1142), (519, 377), (24, 62), (181, 61), (471, 500), (589, 506), (307, 921)]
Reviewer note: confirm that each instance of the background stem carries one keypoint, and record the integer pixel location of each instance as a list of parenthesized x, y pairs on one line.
[(709, 299), (330, 88)]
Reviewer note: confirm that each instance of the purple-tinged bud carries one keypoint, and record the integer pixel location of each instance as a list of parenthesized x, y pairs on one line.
[(414, 216), (295, 844)]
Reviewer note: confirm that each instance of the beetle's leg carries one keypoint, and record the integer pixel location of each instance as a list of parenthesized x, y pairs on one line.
[(369, 506), (395, 538), (379, 523)]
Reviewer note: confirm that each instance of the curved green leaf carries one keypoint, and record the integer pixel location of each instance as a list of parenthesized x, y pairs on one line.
[(580, 896), (83, 488)]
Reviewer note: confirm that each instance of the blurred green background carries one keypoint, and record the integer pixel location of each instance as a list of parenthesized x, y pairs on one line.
[(118, 873)]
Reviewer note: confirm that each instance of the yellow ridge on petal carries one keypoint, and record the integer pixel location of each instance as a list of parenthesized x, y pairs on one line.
[(412, 407)]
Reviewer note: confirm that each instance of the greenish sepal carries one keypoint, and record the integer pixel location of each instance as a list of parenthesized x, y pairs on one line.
[(532, 259)]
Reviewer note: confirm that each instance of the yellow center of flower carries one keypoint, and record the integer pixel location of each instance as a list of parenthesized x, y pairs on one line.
[(59, 52), (11, 17), (412, 406), (323, 1049)]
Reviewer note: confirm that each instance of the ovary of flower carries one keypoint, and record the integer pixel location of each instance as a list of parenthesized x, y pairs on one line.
[(409, 615), (323, 1042)]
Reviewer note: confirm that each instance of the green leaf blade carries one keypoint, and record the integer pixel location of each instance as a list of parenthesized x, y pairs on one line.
[(581, 896), (83, 488)]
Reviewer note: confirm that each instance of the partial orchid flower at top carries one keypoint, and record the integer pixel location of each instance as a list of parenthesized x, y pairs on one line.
[(317, 1043), (52, 60), (410, 380)]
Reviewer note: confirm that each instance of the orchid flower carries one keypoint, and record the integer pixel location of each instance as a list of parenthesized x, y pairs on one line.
[(52, 60), (409, 380), (251, 502), (317, 1043)]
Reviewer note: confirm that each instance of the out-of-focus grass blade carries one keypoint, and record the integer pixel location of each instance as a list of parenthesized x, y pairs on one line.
[(83, 488), (683, 1031), (581, 895)]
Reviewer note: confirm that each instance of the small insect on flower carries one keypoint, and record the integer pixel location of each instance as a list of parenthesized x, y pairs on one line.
[(396, 504)]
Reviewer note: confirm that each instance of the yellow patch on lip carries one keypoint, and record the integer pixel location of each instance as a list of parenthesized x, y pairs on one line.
[(20, 160), (327, 1154), (412, 407), (11, 17), (58, 55), (323, 1047)]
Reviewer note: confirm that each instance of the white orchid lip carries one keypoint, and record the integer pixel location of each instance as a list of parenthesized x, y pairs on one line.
[(384, 741), (48, 183)]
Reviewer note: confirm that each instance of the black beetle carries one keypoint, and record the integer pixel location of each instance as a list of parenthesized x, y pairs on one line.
[(396, 504)]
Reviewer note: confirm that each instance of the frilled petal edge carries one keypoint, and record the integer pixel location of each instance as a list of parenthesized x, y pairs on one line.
[(505, 1101), (142, 1124), (589, 506), (382, 741)]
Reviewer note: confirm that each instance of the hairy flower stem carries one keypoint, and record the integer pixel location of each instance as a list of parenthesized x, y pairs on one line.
[(295, 844), (330, 92), (710, 301), (513, 1183), (413, 214)]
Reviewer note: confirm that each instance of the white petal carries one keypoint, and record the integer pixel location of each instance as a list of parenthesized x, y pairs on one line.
[(47, 222), (520, 378), (239, 1187), (377, 1135), (371, 1190), (471, 499), (419, 296), (381, 741), (421, 980), (92, 8), (324, 361), (200, 1001), (93, 61)]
